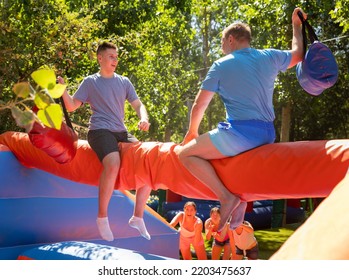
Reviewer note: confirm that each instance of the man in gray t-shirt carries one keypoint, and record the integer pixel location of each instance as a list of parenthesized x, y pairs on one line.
[(107, 92)]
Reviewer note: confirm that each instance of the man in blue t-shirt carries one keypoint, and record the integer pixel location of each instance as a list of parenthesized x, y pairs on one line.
[(244, 79), (107, 92)]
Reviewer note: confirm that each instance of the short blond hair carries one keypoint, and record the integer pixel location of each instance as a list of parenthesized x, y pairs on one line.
[(239, 30)]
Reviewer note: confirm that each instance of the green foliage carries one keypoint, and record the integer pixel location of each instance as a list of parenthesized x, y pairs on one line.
[(166, 48), (161, 75), (340, 14), (48, 112), (35, 33), (121, 17)]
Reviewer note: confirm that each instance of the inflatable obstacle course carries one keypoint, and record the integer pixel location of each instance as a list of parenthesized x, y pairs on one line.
[(48, 217), (273, 171)]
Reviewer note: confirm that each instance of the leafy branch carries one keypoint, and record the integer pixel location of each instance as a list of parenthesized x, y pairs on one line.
[(46, 111)]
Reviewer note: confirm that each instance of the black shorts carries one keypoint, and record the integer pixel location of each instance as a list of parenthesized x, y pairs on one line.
[(250, 253), (221, 243), (104, 142)]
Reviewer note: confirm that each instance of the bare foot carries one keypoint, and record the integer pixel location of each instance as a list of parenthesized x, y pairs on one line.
[(238, 215), (227, 208)]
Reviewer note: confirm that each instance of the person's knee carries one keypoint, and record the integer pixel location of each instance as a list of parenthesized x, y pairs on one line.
[(111, 163), (144, 191), (179, 151), (183, 156), (111, 169)]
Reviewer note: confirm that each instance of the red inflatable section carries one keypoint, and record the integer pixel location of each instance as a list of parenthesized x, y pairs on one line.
[(274, 171), (58, 144)]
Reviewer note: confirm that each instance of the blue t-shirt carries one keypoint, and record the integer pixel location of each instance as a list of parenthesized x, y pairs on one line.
[(106, 97), (245, 80)]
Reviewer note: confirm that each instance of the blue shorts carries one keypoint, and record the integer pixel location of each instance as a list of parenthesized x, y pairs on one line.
[(236, 137)]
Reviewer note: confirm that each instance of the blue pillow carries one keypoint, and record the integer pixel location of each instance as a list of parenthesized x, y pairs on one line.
[(318, 70)]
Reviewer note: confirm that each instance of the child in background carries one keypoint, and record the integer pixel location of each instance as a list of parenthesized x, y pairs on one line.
[(190, 229), (244, 242), (221, 240)]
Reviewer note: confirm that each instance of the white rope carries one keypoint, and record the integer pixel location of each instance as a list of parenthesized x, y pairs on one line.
[(336, 38)]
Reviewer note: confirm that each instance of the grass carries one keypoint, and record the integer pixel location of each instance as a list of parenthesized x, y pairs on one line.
[(269, 240)]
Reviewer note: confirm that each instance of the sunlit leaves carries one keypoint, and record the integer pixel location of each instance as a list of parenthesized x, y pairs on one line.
[(42, 100), (161, 55), (49, 113), (24, 119), (46, 78), (57, 91), (22, 89), (341, 14), (51, 116)]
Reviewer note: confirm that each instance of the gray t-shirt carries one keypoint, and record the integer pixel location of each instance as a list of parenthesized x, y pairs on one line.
[(106, 97)]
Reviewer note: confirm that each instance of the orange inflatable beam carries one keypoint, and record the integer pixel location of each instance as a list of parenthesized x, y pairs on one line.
[(325, 234), (274, 171)]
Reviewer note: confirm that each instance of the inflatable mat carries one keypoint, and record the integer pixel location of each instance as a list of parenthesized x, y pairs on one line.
[(273, 171), (79, 250)]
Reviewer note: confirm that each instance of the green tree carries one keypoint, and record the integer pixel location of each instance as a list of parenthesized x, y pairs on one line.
[(37, 33), (158, 65), (166, 47)]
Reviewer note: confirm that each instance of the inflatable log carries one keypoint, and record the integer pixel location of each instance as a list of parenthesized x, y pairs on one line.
[(274, 171)]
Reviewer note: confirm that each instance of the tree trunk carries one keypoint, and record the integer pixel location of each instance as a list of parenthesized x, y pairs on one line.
[(280, 206)]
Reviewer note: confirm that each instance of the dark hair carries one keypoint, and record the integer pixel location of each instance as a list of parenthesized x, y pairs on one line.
[(215, 209), (190, 203), (106, 45), (239, 30)]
